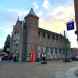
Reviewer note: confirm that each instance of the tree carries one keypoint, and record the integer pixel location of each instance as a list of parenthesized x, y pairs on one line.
[(7, 45)]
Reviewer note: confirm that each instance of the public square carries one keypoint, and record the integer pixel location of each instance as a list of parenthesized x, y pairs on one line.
[(53, 69)]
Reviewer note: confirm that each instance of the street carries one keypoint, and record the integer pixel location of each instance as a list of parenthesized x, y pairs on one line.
[(53, 69)]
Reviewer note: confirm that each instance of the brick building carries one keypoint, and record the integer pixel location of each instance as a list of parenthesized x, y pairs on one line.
[(76, 16), (27, 35)]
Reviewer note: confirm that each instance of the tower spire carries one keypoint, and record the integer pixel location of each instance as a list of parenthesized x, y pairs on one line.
[(18, 19), (31, 12)]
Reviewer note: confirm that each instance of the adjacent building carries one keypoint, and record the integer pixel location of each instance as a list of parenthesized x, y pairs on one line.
[(76, 16), (16, 39), (27, 36)]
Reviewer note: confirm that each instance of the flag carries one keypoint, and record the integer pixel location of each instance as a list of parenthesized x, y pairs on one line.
[(33, 56), (70, 25)]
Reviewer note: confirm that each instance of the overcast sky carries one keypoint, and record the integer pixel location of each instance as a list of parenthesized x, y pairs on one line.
[(53, 16)]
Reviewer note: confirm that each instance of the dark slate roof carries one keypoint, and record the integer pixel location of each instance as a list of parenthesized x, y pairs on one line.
[(31, 12), (18, 21), (50, 32)]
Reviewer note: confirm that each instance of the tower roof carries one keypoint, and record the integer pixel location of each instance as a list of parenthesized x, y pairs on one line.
[(18, 21), (31, 12)]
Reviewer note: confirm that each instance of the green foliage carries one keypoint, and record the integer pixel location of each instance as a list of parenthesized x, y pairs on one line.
[(7, 44)]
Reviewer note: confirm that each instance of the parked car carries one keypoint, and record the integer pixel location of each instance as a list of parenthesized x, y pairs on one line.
[(5, 58), (75, 58)]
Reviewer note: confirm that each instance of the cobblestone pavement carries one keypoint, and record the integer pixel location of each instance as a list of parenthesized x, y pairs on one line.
[(27, 70)]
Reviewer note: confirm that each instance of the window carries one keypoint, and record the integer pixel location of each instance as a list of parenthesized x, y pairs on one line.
[(48, 36), (43, 34), (53, 36), (60, 37), (56, 50), (39, 33), (24, 26), (56, 37), (16, 45), (60, 50), (51, 50), (63, 50)]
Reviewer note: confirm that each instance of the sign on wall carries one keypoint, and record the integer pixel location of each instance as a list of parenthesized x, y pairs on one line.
[(70, 25)]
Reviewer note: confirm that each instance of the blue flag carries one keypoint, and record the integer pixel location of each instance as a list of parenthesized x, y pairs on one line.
[(70, 25)]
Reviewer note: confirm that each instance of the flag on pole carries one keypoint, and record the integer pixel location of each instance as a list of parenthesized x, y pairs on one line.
[(33, 56), (70, 25)]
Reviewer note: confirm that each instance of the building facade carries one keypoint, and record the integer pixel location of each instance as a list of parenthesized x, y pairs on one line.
[(27, 36), (76, 16), (16, 39)]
